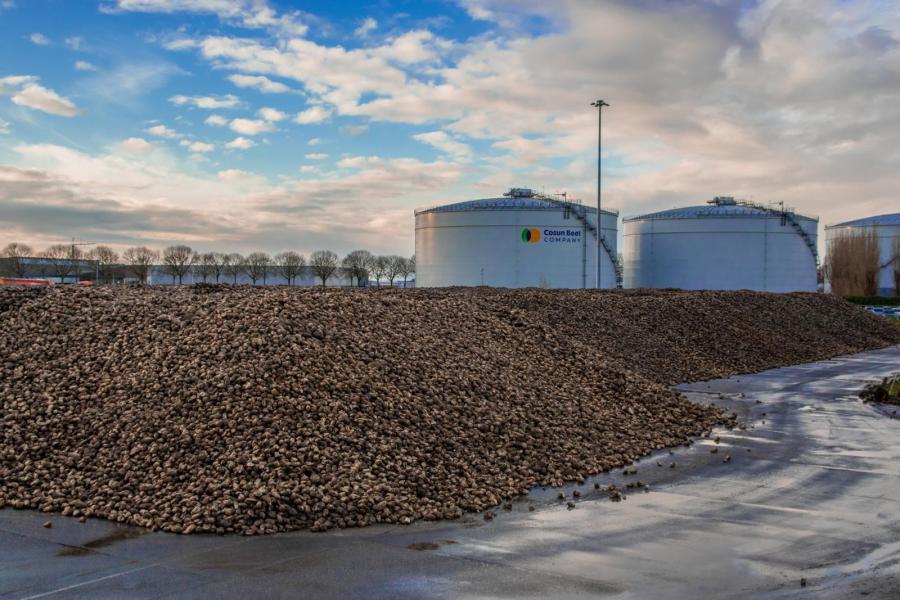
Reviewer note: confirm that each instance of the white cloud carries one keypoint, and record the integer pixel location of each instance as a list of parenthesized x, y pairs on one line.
[(83, 65), (135, 145), (201, 147), (240, 143), (148, 198), (39, 38), (217, 120), (271, 114), (253, 14), (353, 130), (443, 142), (75, 42), (25, 91), (157, 199), (316, 156), (127, 83), (5, 4), (249, 126), (314, 114), (314, 141), (232, 174), (368, 25), (10, 83), (412, 47), (307, 169), (207, 102), (163, 132), (4, 127), (259, 82)]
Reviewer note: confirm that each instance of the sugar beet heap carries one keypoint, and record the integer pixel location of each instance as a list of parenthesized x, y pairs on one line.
[(256, 410)]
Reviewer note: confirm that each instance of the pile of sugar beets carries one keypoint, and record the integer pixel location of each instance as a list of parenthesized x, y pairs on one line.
[(256, 410)]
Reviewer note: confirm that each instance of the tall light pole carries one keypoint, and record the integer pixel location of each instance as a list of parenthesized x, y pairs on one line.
[(599, 104)]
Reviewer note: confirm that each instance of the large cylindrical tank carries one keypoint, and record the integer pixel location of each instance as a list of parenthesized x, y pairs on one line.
[(523, 239), (887, 228), (724, 245)]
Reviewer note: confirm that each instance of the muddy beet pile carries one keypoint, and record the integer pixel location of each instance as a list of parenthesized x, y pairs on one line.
[(259, 410)]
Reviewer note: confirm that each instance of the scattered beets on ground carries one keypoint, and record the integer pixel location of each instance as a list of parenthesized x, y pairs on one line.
[(887, 391), (255, 410)]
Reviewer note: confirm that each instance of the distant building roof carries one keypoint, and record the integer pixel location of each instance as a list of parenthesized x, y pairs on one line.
[(889, 219)]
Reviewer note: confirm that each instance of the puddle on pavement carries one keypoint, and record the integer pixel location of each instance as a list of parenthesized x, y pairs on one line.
[(429, 545), (116, 535)]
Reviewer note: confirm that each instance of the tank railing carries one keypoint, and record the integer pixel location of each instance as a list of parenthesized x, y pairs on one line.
[(581, 213), (788, 215)]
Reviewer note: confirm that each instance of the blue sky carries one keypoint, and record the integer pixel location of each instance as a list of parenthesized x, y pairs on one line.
[(239, 125)]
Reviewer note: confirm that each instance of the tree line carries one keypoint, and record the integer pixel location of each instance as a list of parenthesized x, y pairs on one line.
[(180, 260), (853, 265)]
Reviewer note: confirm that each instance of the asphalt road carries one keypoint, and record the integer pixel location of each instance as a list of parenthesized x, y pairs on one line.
[(811, 492)]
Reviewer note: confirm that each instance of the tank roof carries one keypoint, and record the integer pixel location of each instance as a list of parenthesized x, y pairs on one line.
[(889, 219), (721, 206), (510, 203)]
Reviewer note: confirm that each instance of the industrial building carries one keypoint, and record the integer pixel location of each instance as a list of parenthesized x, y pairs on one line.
[(887, 229), (726, 244), (523, 239), (56, 270)]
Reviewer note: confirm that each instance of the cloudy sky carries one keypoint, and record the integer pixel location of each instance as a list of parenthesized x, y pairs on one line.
[(239, 125)]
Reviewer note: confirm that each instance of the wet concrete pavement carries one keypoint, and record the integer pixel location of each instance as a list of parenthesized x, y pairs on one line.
[(811, 491)]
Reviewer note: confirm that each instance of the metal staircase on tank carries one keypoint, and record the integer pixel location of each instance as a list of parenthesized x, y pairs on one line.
[(787, 215), (581, 214)]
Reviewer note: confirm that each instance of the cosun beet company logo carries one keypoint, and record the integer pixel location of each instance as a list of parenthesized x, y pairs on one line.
[(531, 235), (535, 235)]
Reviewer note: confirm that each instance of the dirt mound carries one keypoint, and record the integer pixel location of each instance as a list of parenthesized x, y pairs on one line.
[(254, 410)]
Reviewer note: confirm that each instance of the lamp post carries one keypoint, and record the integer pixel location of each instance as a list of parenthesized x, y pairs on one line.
[(599, 104)]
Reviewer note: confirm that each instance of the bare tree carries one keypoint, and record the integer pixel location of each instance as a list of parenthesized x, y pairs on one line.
[(290, 265), (357, 265), (106, 259), (63, 259), (177, 261), (257, 266), (139, 259), (233, 266), (204, 266), (378, 267), (394, 267), (220, 261), (852, 264), (12, 259), (411, 265), (323, 263), (406, 267)]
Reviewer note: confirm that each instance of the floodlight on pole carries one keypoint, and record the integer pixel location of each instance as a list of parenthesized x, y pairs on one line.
[(599, 104)]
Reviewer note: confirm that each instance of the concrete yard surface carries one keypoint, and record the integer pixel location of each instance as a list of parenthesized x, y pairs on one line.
[(809, 492)]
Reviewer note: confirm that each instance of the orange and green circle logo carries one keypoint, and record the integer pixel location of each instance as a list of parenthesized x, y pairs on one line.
[(531, 235)]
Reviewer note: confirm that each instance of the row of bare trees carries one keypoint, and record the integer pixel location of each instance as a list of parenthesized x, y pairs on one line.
[(180, 260), (362, 263), (853, 265)]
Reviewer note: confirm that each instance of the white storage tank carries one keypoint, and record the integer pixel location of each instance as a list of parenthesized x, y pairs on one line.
[(523, 239), (727, 244), (887, 228)]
